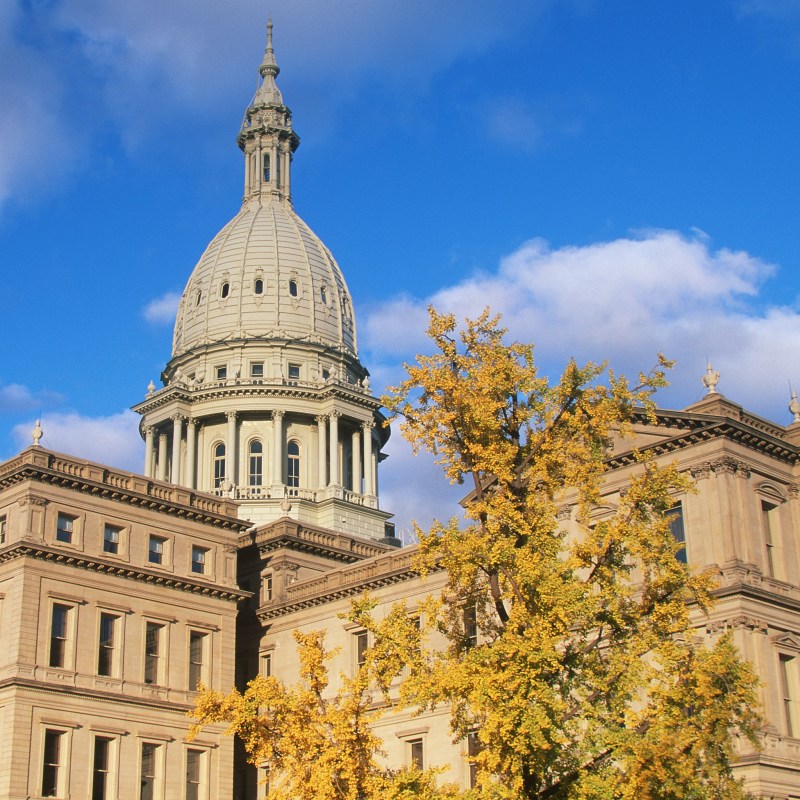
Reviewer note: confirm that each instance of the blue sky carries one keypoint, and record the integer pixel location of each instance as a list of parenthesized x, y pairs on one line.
[(616, 177)]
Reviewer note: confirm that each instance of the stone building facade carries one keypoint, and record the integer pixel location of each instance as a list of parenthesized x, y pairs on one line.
[(258, 514)]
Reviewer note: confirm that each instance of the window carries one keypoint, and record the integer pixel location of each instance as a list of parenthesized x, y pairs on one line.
[(293, 464), (224, 290), (152, 652), (675, 521), (65, 528), (219, 465), (326, 373), (266, 665), (471, 625), (194, 764), (361, 642), (267, 588), (255, 463), (59, 628), (106, 644), (221, 373), (293, 290), (294, 372), (473, 748), (197, 644), (266, 167), (257, 369), (155, 549), (323, 295), (2, 531), (198, 297), (769, 529), (199, 559), (416, 753), (788, 678), (51, 763), (149, 771), (101, 768), (258, 286), (111, 536)]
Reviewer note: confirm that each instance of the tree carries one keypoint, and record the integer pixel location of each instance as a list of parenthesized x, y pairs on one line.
[(586, 681), (315, 744)]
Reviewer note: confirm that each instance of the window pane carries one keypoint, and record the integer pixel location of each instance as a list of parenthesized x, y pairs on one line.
[(675, 520), (148, 774), (155, 553), (416, 752), (198, 560), (193, 761), (100, 775), (64, 528), (105, 655), (152, 652), (111, 539), (293, 465), (51, 763), (196, 645), (58, 635)]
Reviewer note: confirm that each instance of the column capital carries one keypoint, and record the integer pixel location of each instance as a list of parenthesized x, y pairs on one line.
[(367, 426), (179, 418), (278, 414), (191, 422), (230, 415), (321, 419)]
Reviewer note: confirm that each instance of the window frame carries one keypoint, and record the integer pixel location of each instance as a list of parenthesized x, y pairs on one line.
[(157, 778), (201, 560), (162, 552), (66, 529), (67, 640), (159, 665), (109, 527), (293, 463), (201, 781), (59, 766), (255, 463), (198, 671), (108, 647), (219, 455), (676, 522), (110, 773)]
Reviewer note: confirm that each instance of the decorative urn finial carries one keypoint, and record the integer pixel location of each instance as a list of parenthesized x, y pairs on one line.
[(151, 387), (37, 433), (711, 379), (794, 407)]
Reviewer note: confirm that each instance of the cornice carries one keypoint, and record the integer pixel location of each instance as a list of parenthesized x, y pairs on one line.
[(42, 552), (708, 428), (385, 570), (55, 469)]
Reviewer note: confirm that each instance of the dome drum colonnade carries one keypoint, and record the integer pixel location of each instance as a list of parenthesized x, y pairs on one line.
[(264, 398)]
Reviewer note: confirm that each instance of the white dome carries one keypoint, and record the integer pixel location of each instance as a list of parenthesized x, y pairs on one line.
[(266, 276)]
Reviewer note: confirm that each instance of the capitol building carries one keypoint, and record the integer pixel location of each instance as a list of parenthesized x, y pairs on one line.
[(258, 514)]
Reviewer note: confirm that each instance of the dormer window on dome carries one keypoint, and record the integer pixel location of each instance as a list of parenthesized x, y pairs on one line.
[(293, 290), (323, 294), (258, 286), (225, 290), (266, 168)]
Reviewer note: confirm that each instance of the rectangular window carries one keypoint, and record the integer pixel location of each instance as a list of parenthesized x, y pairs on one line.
[(152, 652), (199, 559), (267, 588), (222, 373), (416, 753), (266, 665), (257, 369), (769, 529), (197, 644), (194, 771), (675, 521), (2, 531), (155, 550), (294, 372), (107, 644), (111, 539), (788, 678), (361, 641), (101, 769), (473, 748), (471, 625), (51, 763), (58, 635), (65, 528), (149, 771)]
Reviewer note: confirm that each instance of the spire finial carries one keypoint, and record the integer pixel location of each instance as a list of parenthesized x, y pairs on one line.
[(268, 64), (711, 378)]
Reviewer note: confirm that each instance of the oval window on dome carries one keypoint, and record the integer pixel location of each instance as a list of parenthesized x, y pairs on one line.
[(225, 290), (323, 293), (293, 288), (258, 286), (198, 297)]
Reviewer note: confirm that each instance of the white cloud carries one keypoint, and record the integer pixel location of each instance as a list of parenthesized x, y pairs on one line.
[(112, 440), (513, 121), (162, 310), (625, 301), (15, 397)]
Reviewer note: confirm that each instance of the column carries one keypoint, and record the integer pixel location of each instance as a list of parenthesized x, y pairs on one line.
[(369, 484), (355, 449), (161, 473), (248, 168), (190, 469), (177, 435), (148, 452), (334, 449), (231, 455), (322, 481), (277, 447)]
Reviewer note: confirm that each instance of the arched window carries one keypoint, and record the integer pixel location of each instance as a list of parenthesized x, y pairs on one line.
[(266, 167), (255, 463), (258, 286), (219, 465), (225, 290), (293, 464), (293, 288)]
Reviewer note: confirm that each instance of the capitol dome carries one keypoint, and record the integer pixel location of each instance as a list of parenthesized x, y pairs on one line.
[(266, 276)]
